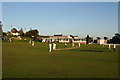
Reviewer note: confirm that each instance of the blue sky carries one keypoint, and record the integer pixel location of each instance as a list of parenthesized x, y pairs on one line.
[(76, 18), (0, 10)]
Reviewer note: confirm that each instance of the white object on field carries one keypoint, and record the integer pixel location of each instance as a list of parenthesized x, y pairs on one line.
[(114, 46), (79, 44), (10, 40), (109, 46), (33, 43), (54, 46), (50, 47), (65, 44), (30, 41), (72, 44)]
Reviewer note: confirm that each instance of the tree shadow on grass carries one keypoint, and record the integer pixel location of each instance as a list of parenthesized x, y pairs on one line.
[(89, 50)]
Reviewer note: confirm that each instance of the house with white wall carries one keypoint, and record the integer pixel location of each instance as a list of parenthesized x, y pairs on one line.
[(16, 34), (101, 41), (63, 39)]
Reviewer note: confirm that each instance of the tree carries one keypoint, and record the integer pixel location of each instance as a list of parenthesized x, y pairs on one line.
[(14, 30), (109, 41), (21, 32), (4, 34), (98, 38), (116, 38), (32, 33), (88, 39), (95, 41), (72, 36), (1, 31), (105, 38)]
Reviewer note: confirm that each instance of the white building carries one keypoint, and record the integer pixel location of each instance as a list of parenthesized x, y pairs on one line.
[(63, 39), (101, 41), (16, 34)]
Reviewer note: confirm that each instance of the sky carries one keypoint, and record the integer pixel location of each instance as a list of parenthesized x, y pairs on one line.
[(0, 10), (97, 19), (60, 0)]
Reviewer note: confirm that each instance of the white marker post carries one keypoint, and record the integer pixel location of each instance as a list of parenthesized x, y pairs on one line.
[(114, 46), (54, 46), (109, 46), (10, 40), (20, 38), (65, 45), (50, 47), (33, 43), (79, 44), (30, 41), (72, 44)]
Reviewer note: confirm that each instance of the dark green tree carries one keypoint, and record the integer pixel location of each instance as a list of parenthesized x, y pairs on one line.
[(32, 33), (105, 38), (1, 31), (88, 39), (14, 30), (21, 32), (116, 38), (4, 34), (98, 38)]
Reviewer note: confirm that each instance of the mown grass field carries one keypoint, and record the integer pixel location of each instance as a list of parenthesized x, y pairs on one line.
[(21, 60)]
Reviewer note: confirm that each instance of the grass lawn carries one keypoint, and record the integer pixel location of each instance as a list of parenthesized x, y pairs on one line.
[(21, 60)]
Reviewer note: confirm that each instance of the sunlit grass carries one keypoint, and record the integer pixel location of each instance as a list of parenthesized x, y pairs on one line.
[(21, 60)]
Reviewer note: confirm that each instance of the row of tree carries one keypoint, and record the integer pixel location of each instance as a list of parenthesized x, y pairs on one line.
[(21, 32), (115, 39), (32, 33)]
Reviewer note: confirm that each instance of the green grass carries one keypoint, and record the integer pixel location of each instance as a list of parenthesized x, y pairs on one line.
[(21, 60)]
